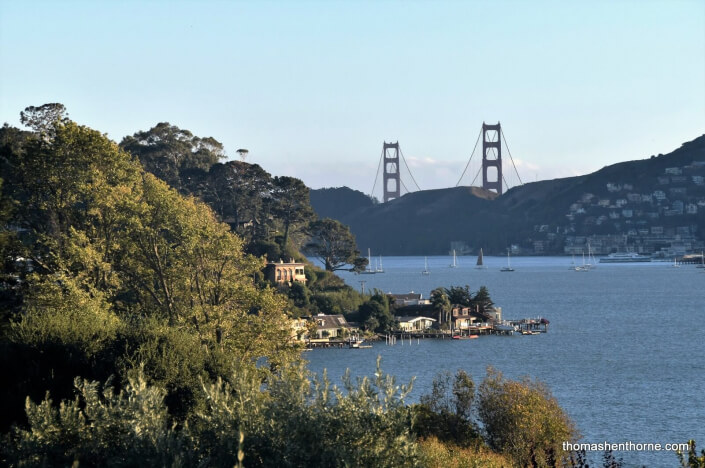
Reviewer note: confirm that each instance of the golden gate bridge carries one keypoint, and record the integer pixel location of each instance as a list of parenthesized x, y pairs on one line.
[(491, 166)]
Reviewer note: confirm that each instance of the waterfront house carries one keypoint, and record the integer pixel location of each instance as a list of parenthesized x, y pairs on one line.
[(298, 328), (464, 318), (409, 324), (332, 326)]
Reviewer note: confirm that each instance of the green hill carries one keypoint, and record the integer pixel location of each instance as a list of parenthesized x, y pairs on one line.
[(628, 199)]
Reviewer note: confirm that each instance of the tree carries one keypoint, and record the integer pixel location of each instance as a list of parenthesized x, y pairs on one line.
[(459, 295), (96, 227), (482, 299), (291, 205), (333, 243), (165, 150), (446, 413), (42, 119), (240, 194), (524, 421), (441, 305), (694, 460), (375, 314), (57, 182)]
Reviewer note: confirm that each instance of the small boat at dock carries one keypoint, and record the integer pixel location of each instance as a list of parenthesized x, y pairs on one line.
[(358, 344)]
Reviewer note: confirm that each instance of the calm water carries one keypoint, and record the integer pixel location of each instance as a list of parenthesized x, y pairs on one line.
[(624, 355)]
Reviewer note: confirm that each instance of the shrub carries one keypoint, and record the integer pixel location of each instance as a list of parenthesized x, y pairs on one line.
[(524, 421)]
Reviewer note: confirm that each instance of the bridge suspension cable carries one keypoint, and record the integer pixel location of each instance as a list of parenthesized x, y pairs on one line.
[(511, 158), (469, 160), (407, 168), (372, 193)]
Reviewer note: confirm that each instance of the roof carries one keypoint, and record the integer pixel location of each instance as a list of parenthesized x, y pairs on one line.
[(331, 321), (408, 318), (406, 297), (283, 263)]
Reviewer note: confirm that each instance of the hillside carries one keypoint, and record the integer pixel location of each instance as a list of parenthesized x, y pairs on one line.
[(651, 205), (331, 202)]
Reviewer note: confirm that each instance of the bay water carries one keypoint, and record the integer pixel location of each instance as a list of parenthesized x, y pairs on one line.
[(624, 354)]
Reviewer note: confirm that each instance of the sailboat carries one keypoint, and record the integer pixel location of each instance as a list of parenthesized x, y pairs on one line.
[(379, 268), (590, 263), (584, 266), (425, 268), (509, 266), (702, 261), (368, 270), (455, 263), (480, 264), (675, 263)]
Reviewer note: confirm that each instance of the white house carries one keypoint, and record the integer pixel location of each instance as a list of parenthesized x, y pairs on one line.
[(415, 323)]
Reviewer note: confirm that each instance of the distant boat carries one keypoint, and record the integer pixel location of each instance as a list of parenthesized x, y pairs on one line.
[(509, 266), (368, 270), (480, 263), (379, 268), (702, 261), (575, 267), (425, 268), (590, 259), (625, 257), (455, 263), (357, 344), (675, 263), (584, 266)]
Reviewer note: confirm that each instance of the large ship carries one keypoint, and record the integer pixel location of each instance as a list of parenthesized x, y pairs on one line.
[(624, 257)]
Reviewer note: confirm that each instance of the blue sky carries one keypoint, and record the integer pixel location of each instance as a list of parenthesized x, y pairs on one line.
[(312, 89)]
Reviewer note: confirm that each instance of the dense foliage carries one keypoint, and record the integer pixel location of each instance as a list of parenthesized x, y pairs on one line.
[(105, 266), (292, 424)]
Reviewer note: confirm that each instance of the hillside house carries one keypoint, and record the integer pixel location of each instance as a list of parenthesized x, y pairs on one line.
[(285, 273)]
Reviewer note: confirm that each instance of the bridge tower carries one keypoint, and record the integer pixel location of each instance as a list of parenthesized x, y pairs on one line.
[(392, 179), (492, 157)]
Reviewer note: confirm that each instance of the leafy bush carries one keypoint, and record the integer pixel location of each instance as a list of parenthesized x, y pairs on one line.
[(97, 428), (287, 420), (437, 454), (446, 414), (524, 421)]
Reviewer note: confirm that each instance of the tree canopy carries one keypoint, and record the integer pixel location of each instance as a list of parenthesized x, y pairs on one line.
[(120, 269), (334, 244), (166, 150)]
